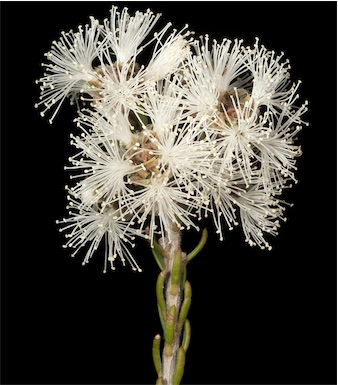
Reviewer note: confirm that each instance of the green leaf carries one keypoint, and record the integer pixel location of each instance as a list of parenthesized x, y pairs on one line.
[(179, 368), (158, 258), (156, 354), (186, 335), (176, 272), (160, 296), (185, 306), (200, 245), (169, 331)]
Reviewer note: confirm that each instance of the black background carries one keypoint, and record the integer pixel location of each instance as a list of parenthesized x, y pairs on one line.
[(257, 317)]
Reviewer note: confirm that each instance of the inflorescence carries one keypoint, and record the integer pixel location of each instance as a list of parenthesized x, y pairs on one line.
[(202, 129)]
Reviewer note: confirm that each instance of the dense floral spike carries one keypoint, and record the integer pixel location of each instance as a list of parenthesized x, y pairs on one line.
[(199, 129)]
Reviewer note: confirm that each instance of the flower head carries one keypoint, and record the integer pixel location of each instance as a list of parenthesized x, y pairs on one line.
[(201, 129)]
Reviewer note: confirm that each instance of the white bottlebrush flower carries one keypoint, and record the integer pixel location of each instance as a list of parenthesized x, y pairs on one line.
[(210, 73), (278, 150), (184, 158), (271, 77), (260, 214), (201, 129), (223, 61), (126, 33), (122, 85), (238, 129), (70, 66), (103, 169), (198, 88), (118, 87), (163, 107), (87, 226), (168, 56), (159, 204)]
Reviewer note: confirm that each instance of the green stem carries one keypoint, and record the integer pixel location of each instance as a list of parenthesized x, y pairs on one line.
[(173, 293)]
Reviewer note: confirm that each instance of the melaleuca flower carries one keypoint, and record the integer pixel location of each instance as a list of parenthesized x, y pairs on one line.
[(198, 88), (117, 87), (70, 66), (126, 33), (270, 77), (223, 61), (260, 214), (277, 151), (160, 204), (87, 226), (238, 129), (124, 84), (196, 129), (176, 164), (103, 169), (169, 55), (100, 62)]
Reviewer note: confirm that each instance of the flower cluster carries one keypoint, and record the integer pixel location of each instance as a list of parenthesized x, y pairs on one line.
[(199, 129)]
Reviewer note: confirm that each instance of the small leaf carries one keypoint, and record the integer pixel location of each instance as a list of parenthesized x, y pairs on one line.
[(160, 296), (156, 354), (186, 335), (179, 369), (200, 245), (160, 249), (185, 306), (176, 272), (169, 331), (158, 258)]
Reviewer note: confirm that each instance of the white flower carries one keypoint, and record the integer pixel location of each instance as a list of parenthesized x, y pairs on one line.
[(104, 170), (126, 33), (278, 150), (119, 87), (185, 159), (239, 128), (89, 225), (210, 74), (198, 88), (223, 61), (168, 55), (260, 214), (203, 129), (163, 107), (70, 66), (160, 204), (270, 76)]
